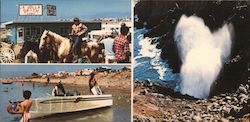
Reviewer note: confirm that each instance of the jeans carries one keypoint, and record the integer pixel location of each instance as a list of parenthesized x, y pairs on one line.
[(77, 44)]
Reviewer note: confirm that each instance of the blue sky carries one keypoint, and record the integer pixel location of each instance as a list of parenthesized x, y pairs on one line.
[(67, 9)]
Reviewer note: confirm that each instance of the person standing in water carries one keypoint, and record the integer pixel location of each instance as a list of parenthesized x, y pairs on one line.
[(93, 85), (23, 107), (26, 105)]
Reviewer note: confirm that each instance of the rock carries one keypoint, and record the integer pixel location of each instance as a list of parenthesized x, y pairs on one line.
[(215, 104), (184, 113), (165, 120), (144, 92), (236, 109), (226, 109), (242, 89), (147, 83), (151, 119), (197, 118), (224, 119), (209, 107), (174, 116), (247, 86), (135, 100), (243, 98), (139, 118), (228, 98), (246, 118), (235, 99), (160, 95), (188, 106)]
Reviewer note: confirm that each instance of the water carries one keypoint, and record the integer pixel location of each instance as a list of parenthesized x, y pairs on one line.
[(147, 62), (119, 112), (202, 53)]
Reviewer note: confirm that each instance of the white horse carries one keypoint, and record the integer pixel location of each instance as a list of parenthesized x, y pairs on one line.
[(31, 57), (61, 45)]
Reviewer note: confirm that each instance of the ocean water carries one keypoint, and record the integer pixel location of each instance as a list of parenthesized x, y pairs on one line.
[(147, 62)]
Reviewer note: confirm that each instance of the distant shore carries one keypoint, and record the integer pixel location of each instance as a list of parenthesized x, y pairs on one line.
[(117, 79)]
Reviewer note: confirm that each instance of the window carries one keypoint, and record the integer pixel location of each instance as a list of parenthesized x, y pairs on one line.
[(27, 31), (33, 31), (38, 31), (20, 32), (64, 31)]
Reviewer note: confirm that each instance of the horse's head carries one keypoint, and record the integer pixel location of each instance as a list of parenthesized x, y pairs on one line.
[(44, 39)]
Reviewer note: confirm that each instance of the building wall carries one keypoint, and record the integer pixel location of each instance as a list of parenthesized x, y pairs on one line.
[(62, 29), (13, 37)]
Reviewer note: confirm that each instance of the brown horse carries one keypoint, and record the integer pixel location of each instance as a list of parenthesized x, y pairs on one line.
[(63, 47)]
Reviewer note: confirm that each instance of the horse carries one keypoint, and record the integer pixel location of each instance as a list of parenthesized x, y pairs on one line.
[(33, 46), (31, 57), (63, 47), (60, 45)]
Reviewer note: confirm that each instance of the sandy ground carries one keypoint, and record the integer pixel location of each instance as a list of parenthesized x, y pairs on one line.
[(117, 79)]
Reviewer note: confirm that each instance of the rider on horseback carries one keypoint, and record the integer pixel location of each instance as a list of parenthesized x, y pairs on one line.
[(78, 30)]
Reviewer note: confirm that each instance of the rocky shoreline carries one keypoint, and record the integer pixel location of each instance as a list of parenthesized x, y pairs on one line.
[(153, 102), (115, 79)]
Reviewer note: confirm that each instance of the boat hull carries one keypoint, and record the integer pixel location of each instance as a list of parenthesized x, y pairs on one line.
[(54, 105)]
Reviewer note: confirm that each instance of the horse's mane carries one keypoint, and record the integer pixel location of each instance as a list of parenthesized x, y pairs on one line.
[(57, 36)]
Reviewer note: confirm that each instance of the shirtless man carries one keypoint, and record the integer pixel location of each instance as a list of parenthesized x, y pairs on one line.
[(26, 105), (93, 83), (22, 108)]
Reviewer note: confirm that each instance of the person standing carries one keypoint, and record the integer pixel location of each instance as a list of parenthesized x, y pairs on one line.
[(77, 32), (26, 105), (93, 85), (22, 108), (108, 48), (121, 45)]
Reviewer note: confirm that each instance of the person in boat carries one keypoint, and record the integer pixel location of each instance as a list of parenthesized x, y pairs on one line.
[(121, 45), (77, 32), (58, 90), (108, 47), (93, 84), (22, 108)]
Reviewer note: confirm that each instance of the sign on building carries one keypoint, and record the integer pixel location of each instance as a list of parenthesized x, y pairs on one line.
[(30, 9), (51, 10)]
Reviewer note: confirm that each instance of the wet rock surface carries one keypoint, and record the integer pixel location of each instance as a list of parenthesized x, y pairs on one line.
[(152, 103)]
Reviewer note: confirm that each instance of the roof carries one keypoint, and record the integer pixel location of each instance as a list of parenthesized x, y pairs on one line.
[(44, 21)]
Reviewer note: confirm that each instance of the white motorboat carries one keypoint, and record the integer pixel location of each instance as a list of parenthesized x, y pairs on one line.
[(65, 104)]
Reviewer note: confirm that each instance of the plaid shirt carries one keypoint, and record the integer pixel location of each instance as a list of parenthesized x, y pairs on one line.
[(121, 47)]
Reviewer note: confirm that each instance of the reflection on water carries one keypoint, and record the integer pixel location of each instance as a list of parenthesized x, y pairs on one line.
[(119, 112)]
